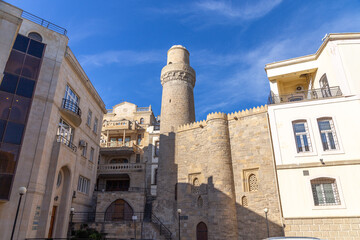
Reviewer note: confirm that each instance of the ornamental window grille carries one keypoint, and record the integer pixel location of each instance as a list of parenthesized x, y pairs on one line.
[(302, 137), (328, 134), (196, 186), (244, 201), (325, 192), (253, 183)]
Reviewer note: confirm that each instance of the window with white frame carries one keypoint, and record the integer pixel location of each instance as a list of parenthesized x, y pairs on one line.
[(328, 134), (71, 95), (92, 150), (89, 116), (83, 185), (65, 131), (95, 125), (302, 137), (84, 150), (325, 192)]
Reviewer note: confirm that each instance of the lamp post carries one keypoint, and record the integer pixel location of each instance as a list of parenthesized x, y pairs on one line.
[(72, 210), (179, 212), (266, 210), (134, 218), (22, 191)]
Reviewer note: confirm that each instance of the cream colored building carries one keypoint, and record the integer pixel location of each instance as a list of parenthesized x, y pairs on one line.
[(314, 110), (50, 127)]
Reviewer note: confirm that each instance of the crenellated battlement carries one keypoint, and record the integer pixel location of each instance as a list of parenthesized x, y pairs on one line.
[(247, 112), (199, 124), (216, 115)]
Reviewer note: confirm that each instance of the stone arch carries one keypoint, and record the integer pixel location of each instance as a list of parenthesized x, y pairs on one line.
[(35, 36), (119, 210), (201, 231), (142, 120)]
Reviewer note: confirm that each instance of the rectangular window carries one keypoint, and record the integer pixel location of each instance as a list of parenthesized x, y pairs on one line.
[(88, 121), (92, 150), (325, 192), (302, 137), (83, 185), (65, 131), (137, 158), (157, 144), (95, 125), (139, 139), (84, 150), (328, 134)]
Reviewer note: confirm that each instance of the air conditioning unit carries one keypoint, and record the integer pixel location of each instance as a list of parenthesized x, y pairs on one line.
[(299, 88), (82, 143)]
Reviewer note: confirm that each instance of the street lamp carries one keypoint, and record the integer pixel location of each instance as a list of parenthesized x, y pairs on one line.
[(134, 218), (266, 210), (179, 212), (72, 210), (22, 191)]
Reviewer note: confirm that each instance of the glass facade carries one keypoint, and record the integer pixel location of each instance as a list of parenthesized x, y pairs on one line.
[(16, 93)]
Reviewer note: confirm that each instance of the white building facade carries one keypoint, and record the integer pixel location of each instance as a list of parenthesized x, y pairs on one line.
[(314, 107)]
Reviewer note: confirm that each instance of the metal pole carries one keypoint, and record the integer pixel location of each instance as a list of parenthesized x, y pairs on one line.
[(135, 228), (17, 212), (179, 226), (71, 224), (267, 225)]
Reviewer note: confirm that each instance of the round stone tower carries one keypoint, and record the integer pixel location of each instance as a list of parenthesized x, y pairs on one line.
[(178, 81), (222, 201), (177, 108)]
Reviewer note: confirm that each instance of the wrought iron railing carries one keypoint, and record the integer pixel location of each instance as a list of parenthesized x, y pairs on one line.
[(43, 22), (312, 94), (71, 106), (161, 227), (62, 139)]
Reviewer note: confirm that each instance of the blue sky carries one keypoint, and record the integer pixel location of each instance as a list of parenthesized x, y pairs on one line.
[(122, 44)]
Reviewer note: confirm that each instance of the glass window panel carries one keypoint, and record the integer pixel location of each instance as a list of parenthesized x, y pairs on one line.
[(299, 127), (331, 139), (19, 109), (31, 67), (25, 87), (15, 62), (2, 128), (36, 49), (8, 157), (298, 142), (21, 43), (329, 194), (5, 103), (324, 141), (13, 133), (9, 82), (306, 144), (5, 184), (324, 125)]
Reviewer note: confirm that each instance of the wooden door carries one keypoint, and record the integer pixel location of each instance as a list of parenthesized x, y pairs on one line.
[(52, 221), (201, 231)]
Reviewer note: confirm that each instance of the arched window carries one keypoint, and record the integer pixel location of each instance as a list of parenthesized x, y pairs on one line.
[(253, 183), (59, 179), (302, 137), (196, 186), (201, 231), (35, 36), (200, 202), (328, 134), (118, 160), (119, 210), (244, 201), (324, 85), (325, 191), (141, 120)]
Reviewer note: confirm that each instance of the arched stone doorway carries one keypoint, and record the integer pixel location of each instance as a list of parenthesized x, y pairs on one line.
[(201, 231), (119, 210)]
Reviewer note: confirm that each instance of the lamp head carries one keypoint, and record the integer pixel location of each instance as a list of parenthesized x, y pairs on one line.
[(22, 190), (179, 211), (72, 209), (266, 210)]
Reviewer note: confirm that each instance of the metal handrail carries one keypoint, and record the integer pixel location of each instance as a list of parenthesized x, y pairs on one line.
[(62, 139), (162, 228), (71, 106), (311, 94), (43, 22)]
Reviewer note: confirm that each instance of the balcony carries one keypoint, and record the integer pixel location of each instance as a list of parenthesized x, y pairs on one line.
[(66, 142), (143, 109), (113, 148), (72, 111), (119, 168), (313, 94), (122, 124)]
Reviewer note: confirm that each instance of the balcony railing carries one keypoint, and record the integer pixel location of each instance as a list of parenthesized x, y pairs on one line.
[(119, 167), (121, 124), (312, 94), (43, 22), (117, 144), (142, 109), (71, 106), (62, 139)]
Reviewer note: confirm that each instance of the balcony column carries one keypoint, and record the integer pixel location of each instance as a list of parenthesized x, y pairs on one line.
[(124, 138), (107, 136)]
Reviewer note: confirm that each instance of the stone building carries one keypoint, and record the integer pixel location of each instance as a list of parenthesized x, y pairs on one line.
[(50, 118), (314, 112)]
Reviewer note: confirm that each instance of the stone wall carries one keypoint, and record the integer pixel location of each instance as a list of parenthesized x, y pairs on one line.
[(332, 228)]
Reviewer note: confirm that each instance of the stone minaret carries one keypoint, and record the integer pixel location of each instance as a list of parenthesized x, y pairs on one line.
[(177, 108)]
